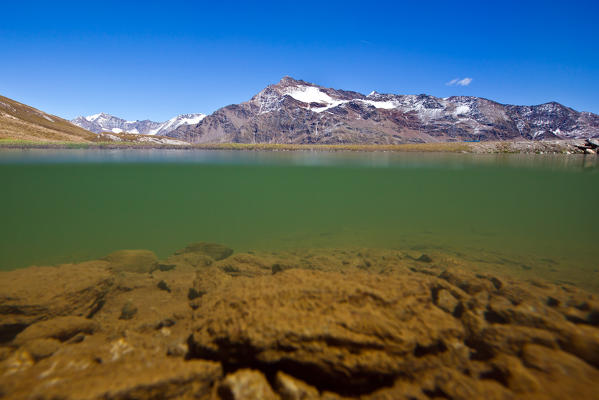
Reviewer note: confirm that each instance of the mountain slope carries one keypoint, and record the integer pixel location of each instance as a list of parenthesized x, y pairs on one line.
[(294, 111), (107, 123), (22, 122)]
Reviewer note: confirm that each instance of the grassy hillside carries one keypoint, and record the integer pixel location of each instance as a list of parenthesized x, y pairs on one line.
[(21, 122)]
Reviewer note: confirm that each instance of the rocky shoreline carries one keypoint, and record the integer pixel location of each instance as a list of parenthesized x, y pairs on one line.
[(566, 146), (208, 323)]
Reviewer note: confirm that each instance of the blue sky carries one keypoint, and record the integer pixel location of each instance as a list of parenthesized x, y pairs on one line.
[(159, 59)]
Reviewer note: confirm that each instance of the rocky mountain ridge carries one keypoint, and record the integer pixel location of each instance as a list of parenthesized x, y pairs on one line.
[(103, 122), (295, 111)]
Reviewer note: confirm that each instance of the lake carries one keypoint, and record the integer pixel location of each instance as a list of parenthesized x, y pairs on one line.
[(533, 215)]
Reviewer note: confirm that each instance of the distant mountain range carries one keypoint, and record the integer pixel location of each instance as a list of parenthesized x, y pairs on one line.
[(22, 122), (102, 122), (294, 111), (297, 112)]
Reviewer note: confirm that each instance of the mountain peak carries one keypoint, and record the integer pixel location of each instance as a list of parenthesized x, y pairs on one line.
[(295, 111), (103, 122), (287, 81), (96, 116)]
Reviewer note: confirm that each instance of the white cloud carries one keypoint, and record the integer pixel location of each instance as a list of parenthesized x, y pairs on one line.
[(459, 82)]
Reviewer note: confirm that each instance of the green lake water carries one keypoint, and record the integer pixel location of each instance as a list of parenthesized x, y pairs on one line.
[(71, 205)]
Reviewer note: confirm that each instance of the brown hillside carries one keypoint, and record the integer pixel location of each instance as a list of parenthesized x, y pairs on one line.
[(22, 122)]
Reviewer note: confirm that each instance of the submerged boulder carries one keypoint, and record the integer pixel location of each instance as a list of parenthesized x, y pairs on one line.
[(140, 261), (126, 372), (213, 250), (40, 293), (195, 260), (246, 384), (60, 328), (338, 331)]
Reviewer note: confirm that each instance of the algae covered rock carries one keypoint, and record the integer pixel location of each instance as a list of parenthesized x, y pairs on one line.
[(42, 348), (213, 250), (195, 260), (60, 328), (246, 384), (342, 332), (290, 388), (139, 261), (133, 375), (39, 293)]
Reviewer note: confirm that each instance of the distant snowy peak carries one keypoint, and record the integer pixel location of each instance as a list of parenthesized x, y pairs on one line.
[(314, 98), (95, 117), (174, 123), (103, 122)]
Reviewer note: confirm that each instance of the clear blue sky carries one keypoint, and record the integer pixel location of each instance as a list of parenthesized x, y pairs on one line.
[(159, 59)]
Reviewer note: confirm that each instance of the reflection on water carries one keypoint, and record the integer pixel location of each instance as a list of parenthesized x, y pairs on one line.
[(72, 205)]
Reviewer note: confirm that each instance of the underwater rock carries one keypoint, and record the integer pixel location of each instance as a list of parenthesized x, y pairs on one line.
[(246, 384), (162, 285), (38, 293), (213, 250), (41, 348), (244, 265), (424, 258), (60, 328), (128, 311), (347, 331), (466, 281), (446, 301), (290, 388), (514, 374), (139, 261), (156, 308), (194, 260), (561, 374), (81, 378), (193, 294)]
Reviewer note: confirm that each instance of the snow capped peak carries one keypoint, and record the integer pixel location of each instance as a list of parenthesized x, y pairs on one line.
[(175, 122), (103, 122), (95, 117), (373, 93)]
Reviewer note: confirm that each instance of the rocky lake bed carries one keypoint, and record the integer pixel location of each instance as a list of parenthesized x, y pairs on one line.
[(211, 323)]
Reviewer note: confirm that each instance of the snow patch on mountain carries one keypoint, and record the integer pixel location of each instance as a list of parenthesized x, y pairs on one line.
[(313, 94), (309, 94), (387, 105)]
